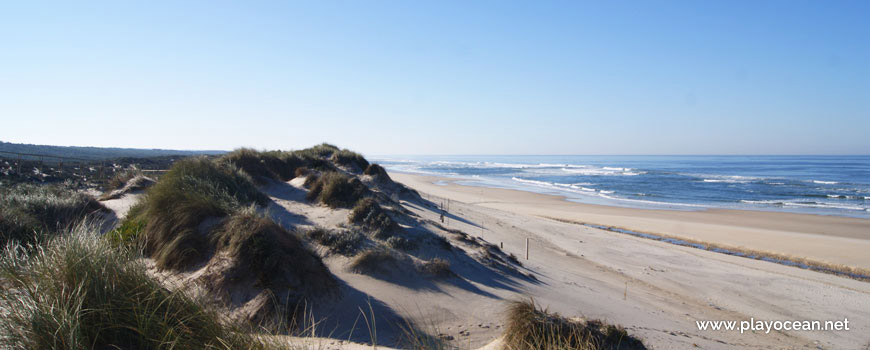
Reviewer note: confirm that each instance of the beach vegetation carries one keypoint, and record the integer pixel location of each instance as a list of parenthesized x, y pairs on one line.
[(372, 217), (336, 190), (193, 190), (529, 327), (29, 212), (81, 292), (437, 267), (275, 257), (346, 243), (377, 172), (373, 260)]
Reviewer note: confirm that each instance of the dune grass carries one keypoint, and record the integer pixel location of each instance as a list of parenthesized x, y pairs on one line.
[(80, 292), (121, 178), (528, 327), (276, 258), (368, 213), (265, 165), (373, 260), (29, 212), (350, 159), (336, 190), (377, 172), (192, 191), (346, 243), (438, 267)]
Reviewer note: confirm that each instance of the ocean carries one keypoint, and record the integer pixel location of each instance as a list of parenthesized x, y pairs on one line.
[(827, 185)]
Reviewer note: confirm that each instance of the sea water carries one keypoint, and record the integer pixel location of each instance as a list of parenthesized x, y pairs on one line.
[(828, 185)]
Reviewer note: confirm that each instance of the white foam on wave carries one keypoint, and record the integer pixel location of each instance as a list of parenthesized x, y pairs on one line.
[(575, 188), (605, 171), (454, 164), (602, 195), (820, 205), (820, 182)]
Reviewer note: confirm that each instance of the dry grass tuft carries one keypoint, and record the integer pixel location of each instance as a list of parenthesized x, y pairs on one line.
[(272, 256), (193, 190), (378, 172), (438, 267), (346, 243), (532, 328), (374, 260), (79, 292), (372, 217), (336, 190), (29, 213)]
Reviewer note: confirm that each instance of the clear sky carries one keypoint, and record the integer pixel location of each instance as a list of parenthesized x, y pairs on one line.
[(440, 77)]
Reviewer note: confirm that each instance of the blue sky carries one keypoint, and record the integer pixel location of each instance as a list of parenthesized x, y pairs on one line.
[(439, 77)]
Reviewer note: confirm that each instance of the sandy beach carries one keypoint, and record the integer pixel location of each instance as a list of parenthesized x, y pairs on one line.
[(657, 290), (833, 239)]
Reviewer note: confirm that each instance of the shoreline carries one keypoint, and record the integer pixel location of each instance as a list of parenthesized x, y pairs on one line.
[(828, 240)]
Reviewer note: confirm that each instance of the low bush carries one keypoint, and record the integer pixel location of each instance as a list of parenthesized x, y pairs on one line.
[(346, 243), (336, 190), (532, 328), (29, 212), (79, 292), (194, 189), (369, 214)]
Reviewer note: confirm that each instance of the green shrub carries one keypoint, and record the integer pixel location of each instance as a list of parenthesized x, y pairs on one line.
[(79, 292), (127, 234), (369, 214), (531, 328), (28, 212), (194, 189), (266, 251), (336, 190)]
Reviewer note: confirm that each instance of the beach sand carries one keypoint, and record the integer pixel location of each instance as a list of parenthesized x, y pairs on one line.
[(832, 239), (656, 290)]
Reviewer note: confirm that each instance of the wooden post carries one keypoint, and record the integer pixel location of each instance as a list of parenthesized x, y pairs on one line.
[(501, 245), (527, 248)]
